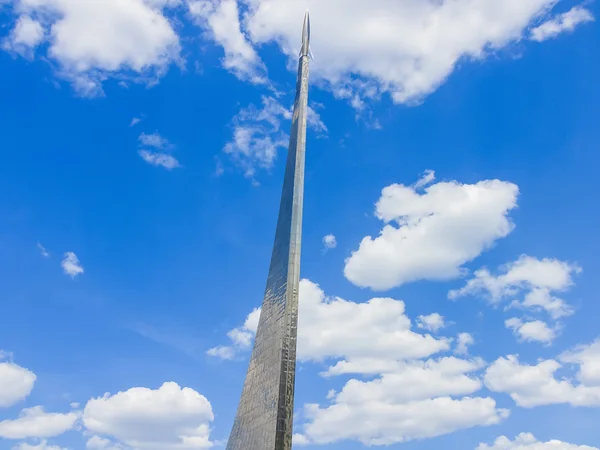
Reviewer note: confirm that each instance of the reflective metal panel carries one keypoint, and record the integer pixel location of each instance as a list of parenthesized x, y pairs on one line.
[(265, 413)]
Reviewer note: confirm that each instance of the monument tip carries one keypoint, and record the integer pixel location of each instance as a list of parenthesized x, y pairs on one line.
[(306, 35)]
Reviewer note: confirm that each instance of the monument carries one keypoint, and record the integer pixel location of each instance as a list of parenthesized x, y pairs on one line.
[(265, 413)]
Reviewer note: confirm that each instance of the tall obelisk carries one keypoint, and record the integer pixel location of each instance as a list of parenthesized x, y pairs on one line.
[(265, 413)]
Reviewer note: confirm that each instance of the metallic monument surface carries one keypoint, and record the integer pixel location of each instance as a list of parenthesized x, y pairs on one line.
[(265, 413)]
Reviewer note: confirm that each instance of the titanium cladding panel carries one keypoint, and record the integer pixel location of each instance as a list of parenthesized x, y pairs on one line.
[(265, 413)]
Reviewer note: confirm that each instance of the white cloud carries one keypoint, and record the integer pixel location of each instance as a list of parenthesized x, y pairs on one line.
[(532, 331), (377, 332), (435, 232), (16, 382), (241, 338), (257, 136), (71, 265), (405, 399), (433, 322), (43, 445), (399, 422), (169, 417), (42, 250), (154, 140), (91, 41), (463, 341), (329, 241), (223, 352), (299, 439), (588, 358), (159, 159), (417, 401), (223, 22), (25, 36), (36, 423), (527, 441), (98, 443), (313, 121), (561, 23), (135, 121), (538, 279), (536, 385), (404, 48), (427, 178)]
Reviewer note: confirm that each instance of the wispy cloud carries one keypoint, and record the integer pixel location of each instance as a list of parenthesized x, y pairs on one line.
[(240, 337), (42, 250), (427, 178), (159, 159), (561, 23), (222, 22), (71, 265), (258, 134), (5, 356), (154, 140), (135, 121)]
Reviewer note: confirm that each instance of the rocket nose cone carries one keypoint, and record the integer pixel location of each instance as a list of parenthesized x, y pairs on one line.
[(306, 27), (306, 34)]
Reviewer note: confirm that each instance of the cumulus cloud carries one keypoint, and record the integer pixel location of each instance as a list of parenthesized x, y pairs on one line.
[(92, 41), (418, 401), (463, 341), (532, 331), (71, 265), (527, 441), (16, 382), (588, 359), (36, 423), (537, 278), (42, 445), (433, 322), (408, 394), (561, 23), (98, 443), (26, 35), (430, 235), (363, 337), (406, 49), (147, 419), (536, 385), (222, 20), (534, 280)]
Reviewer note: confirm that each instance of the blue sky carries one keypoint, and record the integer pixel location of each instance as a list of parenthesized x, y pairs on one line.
[(143, 144)]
